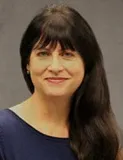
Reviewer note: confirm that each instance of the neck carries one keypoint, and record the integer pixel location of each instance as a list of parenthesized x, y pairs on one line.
[(52, 112), (52, 109)]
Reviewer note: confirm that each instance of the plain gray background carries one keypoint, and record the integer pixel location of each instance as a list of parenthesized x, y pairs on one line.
[(106, 20)]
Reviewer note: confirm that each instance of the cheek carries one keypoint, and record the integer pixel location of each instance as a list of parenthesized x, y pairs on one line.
[(76, 69), (38, 67), (78, 74), (36, 71)]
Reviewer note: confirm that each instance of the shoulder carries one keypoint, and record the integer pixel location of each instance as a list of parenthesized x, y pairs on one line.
[(4, 130), (8, 121), (8, 132), (7, 116), (5, 120), (3, 116)]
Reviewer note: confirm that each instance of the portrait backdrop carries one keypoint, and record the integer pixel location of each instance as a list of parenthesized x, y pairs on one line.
[(106, 20)]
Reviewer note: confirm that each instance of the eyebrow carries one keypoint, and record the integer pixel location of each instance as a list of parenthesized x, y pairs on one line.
[(49, 49)]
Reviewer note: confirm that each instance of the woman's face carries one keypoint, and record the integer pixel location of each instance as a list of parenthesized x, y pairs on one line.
[(47, 63)]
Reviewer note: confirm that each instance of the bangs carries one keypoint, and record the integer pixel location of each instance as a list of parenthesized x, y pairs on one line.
[(52, 34)]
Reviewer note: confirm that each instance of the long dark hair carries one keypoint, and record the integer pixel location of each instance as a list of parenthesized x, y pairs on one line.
[(92, 130)]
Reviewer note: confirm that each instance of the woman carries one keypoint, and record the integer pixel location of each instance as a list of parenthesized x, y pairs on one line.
[(68, 115)]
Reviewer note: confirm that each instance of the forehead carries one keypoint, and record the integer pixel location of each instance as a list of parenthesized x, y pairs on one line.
[(53, 47)]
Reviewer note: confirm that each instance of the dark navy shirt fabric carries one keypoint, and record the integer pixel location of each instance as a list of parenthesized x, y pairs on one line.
[(20, 141)]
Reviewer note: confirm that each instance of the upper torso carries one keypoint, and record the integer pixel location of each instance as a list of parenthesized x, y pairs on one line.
[(20, 141)]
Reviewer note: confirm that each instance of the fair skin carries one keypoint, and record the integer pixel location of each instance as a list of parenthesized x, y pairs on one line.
[(48, 108)]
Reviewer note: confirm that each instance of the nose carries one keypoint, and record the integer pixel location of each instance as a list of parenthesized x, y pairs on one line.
[(55, 66)]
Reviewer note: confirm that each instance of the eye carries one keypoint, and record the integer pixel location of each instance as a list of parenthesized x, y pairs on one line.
[(43, 53), (67, 54)]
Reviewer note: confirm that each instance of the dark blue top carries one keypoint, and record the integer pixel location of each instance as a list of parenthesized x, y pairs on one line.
[(20, 141)]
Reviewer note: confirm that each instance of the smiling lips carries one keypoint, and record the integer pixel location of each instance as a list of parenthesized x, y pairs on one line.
[(56, 80)]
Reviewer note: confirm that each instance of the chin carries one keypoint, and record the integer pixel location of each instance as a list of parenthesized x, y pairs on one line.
[(55, 94)]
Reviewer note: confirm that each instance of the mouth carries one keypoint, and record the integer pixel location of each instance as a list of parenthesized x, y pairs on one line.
[(56, 80)]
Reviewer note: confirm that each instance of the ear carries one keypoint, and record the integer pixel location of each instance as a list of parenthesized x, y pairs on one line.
[(28, 67)]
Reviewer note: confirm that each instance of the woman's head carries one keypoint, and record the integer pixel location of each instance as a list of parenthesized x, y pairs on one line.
[(49, 62), (92, 128), (60, 25)]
